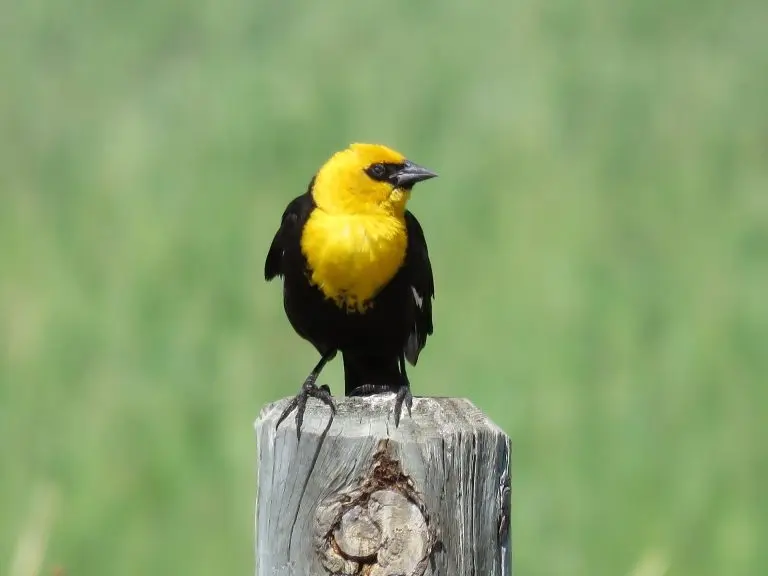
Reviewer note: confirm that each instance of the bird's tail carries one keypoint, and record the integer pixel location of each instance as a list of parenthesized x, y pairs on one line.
[(375, 373)]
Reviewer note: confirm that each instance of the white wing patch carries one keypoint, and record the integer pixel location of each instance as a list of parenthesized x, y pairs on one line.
[(417, 298)]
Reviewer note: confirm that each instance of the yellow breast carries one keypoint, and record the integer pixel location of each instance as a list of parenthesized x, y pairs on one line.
[(351, 257)]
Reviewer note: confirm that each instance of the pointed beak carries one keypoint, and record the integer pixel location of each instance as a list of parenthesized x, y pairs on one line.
[(411, 173)]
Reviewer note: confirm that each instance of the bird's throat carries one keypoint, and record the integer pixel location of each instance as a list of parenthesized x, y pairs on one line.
[(352, 257)]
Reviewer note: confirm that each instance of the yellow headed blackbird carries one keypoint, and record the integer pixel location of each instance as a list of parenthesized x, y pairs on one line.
[(356, 273)]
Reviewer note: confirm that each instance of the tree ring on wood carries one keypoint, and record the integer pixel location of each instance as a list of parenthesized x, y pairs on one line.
[(378, 528)]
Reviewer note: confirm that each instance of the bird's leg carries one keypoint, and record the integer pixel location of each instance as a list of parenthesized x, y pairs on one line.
[(309, 388), (403, 393)]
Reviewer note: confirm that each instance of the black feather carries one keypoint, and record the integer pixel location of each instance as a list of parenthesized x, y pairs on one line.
[(293, 216), (419, 271)]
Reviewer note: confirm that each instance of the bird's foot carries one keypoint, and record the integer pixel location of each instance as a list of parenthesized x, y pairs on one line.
[(370, 389), (403, 397), (299, 402)]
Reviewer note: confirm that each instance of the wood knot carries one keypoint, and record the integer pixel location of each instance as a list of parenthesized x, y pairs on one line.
[(378, 528)]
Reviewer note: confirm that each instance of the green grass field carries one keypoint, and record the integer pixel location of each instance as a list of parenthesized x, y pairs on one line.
[(599, 235)]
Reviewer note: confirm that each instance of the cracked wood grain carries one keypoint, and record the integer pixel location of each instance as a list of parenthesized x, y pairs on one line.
[(362, 497)]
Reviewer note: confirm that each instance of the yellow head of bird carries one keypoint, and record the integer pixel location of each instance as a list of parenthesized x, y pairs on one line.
[(367, 179)]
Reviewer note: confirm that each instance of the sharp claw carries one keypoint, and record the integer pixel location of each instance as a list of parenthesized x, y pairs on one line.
[(403, 395), (288, 409), (323, 393), (299, 403), (300, 415)]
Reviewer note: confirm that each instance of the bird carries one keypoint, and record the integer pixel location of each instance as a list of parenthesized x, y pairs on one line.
[(356, 274)]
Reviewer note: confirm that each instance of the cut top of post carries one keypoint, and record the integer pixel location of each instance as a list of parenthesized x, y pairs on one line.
[(431, 417)]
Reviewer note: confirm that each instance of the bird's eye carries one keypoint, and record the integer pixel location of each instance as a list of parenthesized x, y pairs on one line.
[(377, 171)]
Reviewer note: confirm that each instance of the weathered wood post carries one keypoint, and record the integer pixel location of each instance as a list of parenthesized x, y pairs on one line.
[(431, 497)]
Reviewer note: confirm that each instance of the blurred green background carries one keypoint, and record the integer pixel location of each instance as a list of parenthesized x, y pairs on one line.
[(599, 236)]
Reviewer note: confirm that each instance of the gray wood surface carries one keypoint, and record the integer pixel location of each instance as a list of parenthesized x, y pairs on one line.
[(361, 497)]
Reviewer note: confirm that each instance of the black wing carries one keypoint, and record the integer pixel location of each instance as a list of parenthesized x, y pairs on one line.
[(422, 287), (293, 216)]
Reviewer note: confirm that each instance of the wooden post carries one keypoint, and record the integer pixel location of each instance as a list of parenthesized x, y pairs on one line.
[(431, 497)]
